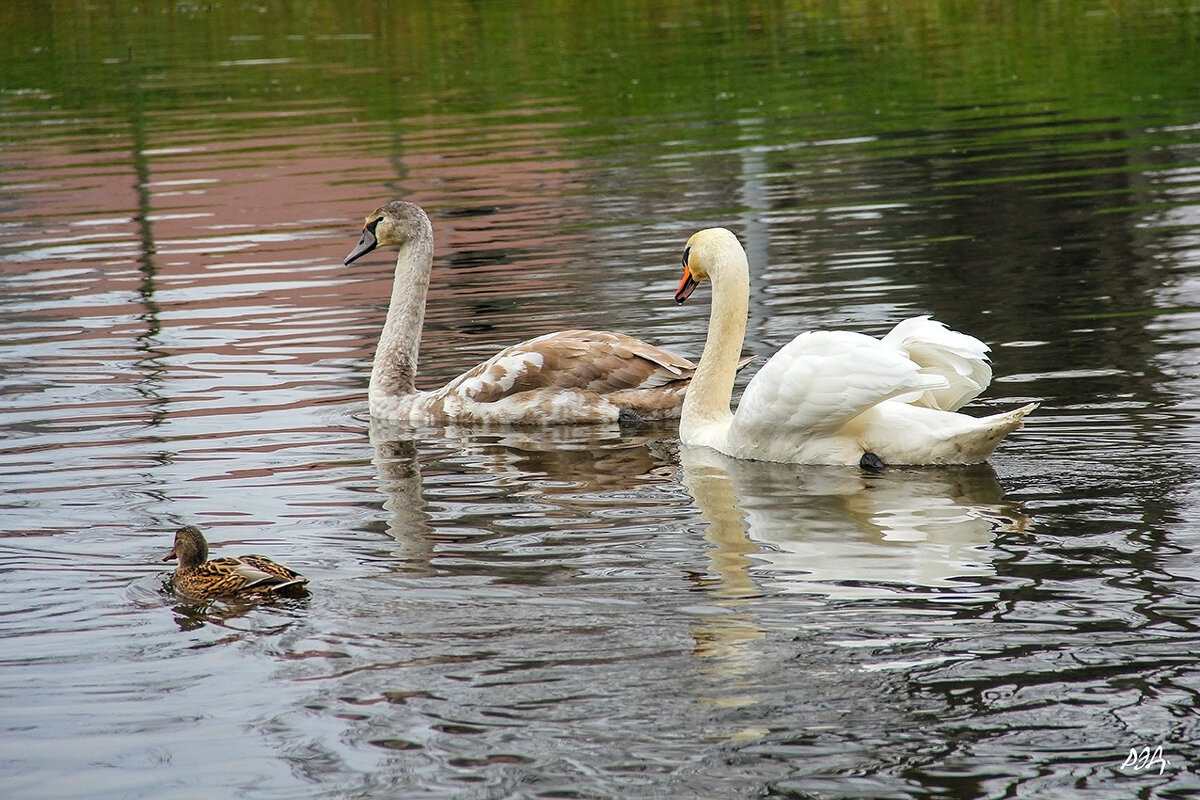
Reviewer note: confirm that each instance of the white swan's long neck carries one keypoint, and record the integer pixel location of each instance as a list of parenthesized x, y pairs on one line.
[(711, 389), (395, 368)]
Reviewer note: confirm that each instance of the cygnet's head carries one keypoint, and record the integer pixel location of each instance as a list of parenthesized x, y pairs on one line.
[(395, 224)]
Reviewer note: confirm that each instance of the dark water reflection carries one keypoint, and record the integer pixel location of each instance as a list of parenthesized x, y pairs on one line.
[(592, 613)]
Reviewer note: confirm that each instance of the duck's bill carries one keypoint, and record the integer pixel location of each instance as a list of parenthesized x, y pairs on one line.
[(365, 245), (686, 286), (169, 556)]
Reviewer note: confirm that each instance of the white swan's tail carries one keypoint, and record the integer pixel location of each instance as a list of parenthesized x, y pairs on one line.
[(960, 359), (901, 433), (977, 444)]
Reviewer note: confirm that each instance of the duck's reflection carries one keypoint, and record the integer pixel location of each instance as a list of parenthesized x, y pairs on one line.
[(842, 533), (192, 615)]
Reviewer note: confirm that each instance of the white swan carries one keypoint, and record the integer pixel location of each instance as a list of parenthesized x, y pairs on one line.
[(574, 376), (833, 397)]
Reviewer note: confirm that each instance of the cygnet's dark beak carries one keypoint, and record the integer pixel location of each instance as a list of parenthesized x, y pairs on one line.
[(365, 245)]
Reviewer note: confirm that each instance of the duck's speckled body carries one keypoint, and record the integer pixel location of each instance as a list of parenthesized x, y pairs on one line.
[(248, 575)]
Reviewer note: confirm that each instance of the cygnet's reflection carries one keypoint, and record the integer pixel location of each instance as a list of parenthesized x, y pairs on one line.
[(399, 469), (552, 466), (844, 533)]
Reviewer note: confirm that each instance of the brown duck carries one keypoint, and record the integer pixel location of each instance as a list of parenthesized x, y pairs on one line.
[(248, 575)]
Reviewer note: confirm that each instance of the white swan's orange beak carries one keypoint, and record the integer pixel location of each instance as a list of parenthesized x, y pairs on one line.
[(686, 286)]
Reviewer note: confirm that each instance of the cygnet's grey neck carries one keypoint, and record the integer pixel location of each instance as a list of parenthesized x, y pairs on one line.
[(395, 368)]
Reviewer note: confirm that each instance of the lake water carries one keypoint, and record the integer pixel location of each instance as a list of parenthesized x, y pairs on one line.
[(593, 613)]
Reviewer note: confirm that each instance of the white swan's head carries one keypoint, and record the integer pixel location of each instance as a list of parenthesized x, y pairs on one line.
[(707, 252), (396, 224)]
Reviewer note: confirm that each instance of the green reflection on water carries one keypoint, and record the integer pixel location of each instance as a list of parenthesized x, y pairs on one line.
[(884, 65)]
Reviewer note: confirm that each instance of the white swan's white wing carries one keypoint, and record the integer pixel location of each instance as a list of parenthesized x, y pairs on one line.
[(819, 381), (961, 359)]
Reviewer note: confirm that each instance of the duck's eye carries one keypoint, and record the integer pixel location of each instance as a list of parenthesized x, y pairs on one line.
[(686, 252)]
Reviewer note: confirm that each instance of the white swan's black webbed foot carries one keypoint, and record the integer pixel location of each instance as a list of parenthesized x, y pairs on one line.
[(871, 463)]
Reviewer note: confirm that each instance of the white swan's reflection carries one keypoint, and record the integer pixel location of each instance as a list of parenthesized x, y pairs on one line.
[(844, 533)]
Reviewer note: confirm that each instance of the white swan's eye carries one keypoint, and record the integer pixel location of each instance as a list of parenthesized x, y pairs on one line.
[(686, 252)]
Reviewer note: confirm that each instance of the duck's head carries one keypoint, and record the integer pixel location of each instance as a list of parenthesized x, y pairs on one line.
[(705, 252), (396, 224), (190, 547)]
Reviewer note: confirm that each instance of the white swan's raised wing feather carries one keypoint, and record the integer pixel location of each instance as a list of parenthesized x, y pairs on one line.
[(820, 381), (961, 359)]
